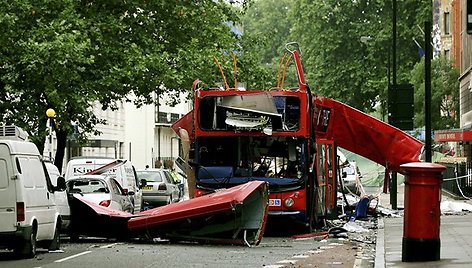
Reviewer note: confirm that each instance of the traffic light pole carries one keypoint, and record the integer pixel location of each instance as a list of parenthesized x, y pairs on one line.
[(427, 90), (393, 184)]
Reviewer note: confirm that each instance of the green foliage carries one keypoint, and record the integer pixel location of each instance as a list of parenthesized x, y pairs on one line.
[(444, 94), (65, 55), (338, 64), (268, 21)]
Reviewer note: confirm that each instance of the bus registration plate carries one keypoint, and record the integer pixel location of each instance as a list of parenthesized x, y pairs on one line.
[(275, 202)]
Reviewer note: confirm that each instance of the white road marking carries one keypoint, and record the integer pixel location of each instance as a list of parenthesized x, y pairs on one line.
[(74, 256), (110, 245), (326, 247), (300, 256), (315, 251), (288, 261)]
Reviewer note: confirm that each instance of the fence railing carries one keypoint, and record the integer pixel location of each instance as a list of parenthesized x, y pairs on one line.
[(457, 179)]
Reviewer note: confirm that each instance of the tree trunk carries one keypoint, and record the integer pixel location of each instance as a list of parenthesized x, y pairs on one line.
[(38, 138), (61, 136)]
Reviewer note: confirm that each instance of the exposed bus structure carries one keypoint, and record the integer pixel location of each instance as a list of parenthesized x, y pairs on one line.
[(234, 136), (258, 135), (236, 144)]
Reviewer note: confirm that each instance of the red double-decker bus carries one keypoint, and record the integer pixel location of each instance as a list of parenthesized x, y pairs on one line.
[(234, 136), (238, 136)]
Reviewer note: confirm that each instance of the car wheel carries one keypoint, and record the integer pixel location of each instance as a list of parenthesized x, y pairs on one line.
[(55, 243), (28, 248)]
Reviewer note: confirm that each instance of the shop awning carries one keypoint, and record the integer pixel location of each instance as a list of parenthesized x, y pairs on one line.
[(453, 135)]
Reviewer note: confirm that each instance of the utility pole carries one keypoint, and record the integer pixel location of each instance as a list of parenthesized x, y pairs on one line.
[(393, 184), (427, 90)]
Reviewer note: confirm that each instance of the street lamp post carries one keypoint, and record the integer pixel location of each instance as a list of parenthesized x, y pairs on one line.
[(392, 183), (51, 114)]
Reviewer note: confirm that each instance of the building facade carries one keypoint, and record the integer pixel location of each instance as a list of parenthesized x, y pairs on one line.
[(465, 85), (461, 53), (149, 139), (141, 135)]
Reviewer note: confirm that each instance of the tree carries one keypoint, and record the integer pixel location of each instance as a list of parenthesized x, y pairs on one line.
[(338, 64), (444, 94), (268, 20), (67, 54)]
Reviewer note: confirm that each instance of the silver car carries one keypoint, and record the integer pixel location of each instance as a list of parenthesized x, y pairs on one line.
[(159, 187), (102, 190)]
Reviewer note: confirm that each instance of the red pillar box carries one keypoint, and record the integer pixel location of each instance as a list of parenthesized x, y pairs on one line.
[(421, 220)]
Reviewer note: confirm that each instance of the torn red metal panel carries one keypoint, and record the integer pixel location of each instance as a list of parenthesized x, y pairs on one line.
[(232, 216), (88, 218), (105, 168), (101, 210), (365, 135), (185, 122)]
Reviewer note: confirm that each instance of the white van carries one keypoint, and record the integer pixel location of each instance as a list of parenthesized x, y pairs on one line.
[(60, 195), (123, 170), (28, 214)]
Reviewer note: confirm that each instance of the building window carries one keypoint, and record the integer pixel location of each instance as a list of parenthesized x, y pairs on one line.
[(447, 54), (166, 118), (156, 114), (447, 23)]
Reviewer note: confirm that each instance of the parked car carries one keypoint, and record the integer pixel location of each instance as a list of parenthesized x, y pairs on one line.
[(102, 190), (159, 187), (28, 213), (60, 196), (123, 171), (350, 175)]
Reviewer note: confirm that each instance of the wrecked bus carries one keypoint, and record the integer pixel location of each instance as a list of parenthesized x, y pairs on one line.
[(287, 137), (236, 136)]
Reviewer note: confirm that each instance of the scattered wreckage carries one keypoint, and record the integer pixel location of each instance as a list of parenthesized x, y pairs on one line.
[(232, 216), (254, 154)]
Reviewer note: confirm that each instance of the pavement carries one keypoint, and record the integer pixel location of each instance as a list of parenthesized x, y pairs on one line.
[(455, 236)]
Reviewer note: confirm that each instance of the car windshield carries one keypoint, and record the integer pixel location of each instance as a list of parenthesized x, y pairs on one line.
[(86, 186), (150, 176)]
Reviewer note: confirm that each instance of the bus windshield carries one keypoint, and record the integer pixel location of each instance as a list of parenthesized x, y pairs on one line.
[(234, 160)]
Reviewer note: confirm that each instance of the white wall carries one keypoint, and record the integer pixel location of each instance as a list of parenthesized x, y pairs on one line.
[(143, 133), (139, 134)]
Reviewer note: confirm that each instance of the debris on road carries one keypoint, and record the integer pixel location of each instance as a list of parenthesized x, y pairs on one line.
[(231, 216)]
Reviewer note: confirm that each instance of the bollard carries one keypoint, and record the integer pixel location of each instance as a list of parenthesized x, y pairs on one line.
[(421, 221)]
